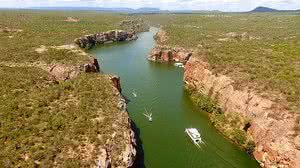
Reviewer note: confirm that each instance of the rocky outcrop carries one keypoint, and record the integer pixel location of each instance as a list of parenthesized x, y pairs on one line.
[(126, 159), (234, 36), (161, 36), (272, 126), (89, 41), (91, 66), (72, 19), (169, 54), (62, 72), (10, 30), (128, 156), (107, 156), (137, 25), (116, 81)]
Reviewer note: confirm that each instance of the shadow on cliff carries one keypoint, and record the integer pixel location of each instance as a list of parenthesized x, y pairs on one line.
[(139, 162)]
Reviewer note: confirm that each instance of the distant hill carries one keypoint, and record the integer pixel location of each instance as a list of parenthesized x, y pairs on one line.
[(266, 9), (148, 9)]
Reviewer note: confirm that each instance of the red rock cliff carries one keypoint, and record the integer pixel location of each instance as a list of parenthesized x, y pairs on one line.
[(106, 156), (169, 54), (116, 82), (89, 41), (272, 126)]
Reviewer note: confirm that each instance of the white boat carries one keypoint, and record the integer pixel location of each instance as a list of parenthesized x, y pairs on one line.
[(179, 64), (148, 115), (194, 134), (134, 94)]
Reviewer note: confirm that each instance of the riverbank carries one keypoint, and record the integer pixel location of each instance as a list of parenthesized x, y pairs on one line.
[(171, 108), (270, 126), (245, 115), (56, 108)]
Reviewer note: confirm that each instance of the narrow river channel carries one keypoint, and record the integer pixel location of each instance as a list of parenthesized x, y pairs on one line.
[(160, 90)]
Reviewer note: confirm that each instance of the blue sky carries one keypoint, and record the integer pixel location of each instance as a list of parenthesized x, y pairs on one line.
[(223, 5)]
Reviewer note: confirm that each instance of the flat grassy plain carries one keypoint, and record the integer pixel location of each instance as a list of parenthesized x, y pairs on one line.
[(257, 50), (54, 124), (48, 28)]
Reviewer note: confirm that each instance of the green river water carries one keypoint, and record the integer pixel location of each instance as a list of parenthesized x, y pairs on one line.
[(160, 90)]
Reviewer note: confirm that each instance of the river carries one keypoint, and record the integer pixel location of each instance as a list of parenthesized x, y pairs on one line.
[(160, 91)]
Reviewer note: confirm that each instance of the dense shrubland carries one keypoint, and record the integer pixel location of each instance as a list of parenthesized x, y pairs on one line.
[(258, 50), (50, 123)]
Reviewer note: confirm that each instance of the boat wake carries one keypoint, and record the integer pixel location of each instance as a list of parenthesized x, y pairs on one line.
[(148, 115)]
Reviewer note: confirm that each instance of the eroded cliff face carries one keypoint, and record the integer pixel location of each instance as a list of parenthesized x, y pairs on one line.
[(161, 36), (126, 142), (116, 82), (89, 41), (119, 149), (272, 126), (169, 54), (62, 72)]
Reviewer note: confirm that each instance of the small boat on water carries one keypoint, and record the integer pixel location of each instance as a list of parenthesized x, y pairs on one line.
[(149, 116), (178, 64), (194, 134), (134, 94)]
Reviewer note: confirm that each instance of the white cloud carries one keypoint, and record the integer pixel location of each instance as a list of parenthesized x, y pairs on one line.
[(225, 5)]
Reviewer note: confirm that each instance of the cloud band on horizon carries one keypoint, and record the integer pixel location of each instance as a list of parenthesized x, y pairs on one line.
[(223, 5)]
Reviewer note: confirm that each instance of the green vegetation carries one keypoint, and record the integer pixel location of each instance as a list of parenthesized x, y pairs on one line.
[(43, 123), (258, 50), (203, 102), (49, 29), (232, 125), (54, 124)]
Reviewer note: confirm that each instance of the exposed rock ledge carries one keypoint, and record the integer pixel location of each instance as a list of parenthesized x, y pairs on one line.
[(89, 41), (62, 72), (106, 159), (161, 36), (169, 54), (272, 127)]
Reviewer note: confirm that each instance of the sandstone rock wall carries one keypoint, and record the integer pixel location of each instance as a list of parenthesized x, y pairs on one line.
[(169, 54), (116, 82), (89, 41), (272, 126), (107, 157), (161, 36), (62, 72), (127, 158)]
